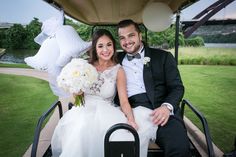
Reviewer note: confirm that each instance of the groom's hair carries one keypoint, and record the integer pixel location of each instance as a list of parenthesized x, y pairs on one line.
[(128, 22)]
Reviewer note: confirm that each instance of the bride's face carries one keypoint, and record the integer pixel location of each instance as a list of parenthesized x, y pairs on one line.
[(104, 48)]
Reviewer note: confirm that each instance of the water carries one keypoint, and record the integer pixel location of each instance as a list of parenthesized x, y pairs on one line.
[(16, 56), (221, 45)]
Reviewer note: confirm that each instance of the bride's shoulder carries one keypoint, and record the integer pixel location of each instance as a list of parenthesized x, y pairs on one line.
[(115, 69), (118, 67), (115, 66)]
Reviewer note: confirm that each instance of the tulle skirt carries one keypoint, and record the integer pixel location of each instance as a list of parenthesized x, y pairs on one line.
[(81, 131)]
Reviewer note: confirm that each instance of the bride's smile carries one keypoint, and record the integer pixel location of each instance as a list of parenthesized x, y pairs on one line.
[(105, 48)]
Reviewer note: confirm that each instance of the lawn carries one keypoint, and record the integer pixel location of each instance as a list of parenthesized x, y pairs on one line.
[(23, 100), (212, 90), (206, 56), (14, 65)]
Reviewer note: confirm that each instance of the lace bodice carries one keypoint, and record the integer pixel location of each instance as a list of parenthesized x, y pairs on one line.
[(105, 86)]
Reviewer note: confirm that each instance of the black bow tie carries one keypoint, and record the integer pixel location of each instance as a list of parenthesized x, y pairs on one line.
[(129, 57)]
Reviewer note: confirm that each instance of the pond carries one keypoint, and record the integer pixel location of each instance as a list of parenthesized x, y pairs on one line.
[(16, 55), (221, 45)]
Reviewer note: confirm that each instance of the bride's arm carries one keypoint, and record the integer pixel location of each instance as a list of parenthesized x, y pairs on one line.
[(124, 103)]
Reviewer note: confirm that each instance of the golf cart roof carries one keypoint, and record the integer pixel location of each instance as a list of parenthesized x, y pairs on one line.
[(102, 12)]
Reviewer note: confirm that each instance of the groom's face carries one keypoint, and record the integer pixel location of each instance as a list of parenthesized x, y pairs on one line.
[(130, 39)]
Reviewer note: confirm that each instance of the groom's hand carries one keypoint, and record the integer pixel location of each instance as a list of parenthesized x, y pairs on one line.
[(160, 115)]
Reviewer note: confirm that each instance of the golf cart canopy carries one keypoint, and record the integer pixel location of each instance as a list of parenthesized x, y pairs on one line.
[(102, 12)]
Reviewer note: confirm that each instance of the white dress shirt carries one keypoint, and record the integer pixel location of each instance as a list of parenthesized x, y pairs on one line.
[(134, 74)]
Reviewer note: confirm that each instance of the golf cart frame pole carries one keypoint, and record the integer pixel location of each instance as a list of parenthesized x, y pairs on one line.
[(177, 36)]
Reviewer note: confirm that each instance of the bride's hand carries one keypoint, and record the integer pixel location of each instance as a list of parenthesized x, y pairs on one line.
[(133, 124)]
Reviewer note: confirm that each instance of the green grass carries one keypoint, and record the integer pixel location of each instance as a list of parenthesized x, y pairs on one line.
[(14, 65), (206, 56), (212, 90), (23, 100)]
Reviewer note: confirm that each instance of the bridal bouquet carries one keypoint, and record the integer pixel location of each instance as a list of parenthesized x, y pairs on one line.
[(77, 77)]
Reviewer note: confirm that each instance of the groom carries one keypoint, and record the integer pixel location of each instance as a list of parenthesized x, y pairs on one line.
[(153, 81)]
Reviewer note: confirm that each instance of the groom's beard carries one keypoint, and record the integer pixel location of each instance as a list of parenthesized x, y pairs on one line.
[(135, 49)]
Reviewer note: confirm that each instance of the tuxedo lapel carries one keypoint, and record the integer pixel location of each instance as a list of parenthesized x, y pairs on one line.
[(147, 76), (121, 56)]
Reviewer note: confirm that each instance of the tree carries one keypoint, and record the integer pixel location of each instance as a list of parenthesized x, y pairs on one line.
[(167, 37), (2, 39), (15, 36), (194, 42), (84, 31), (32, 30), (72, 23)]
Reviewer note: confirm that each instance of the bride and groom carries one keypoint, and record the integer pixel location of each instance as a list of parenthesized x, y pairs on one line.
[(146, 85)]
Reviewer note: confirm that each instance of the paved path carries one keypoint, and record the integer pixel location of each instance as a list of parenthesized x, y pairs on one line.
[(25, 72)]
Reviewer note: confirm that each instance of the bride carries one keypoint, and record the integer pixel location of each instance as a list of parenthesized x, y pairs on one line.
[(80, 132)]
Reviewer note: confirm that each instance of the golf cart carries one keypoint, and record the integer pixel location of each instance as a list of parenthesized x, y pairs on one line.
[(110, 12)]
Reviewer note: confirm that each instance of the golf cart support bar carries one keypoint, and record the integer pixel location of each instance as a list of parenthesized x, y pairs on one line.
[(204, 124), (40, 123), (129, 148)]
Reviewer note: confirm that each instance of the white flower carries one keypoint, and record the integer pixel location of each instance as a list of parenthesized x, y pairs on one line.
[(146, 60), (77, 76)]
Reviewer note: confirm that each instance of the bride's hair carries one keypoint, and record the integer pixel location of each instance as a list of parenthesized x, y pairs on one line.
[(96, 35)]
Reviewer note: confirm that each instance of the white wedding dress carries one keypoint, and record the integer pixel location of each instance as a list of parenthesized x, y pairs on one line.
[(81, 131)]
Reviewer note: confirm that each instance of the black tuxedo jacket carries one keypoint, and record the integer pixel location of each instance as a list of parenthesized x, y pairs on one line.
[(161, 77)]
